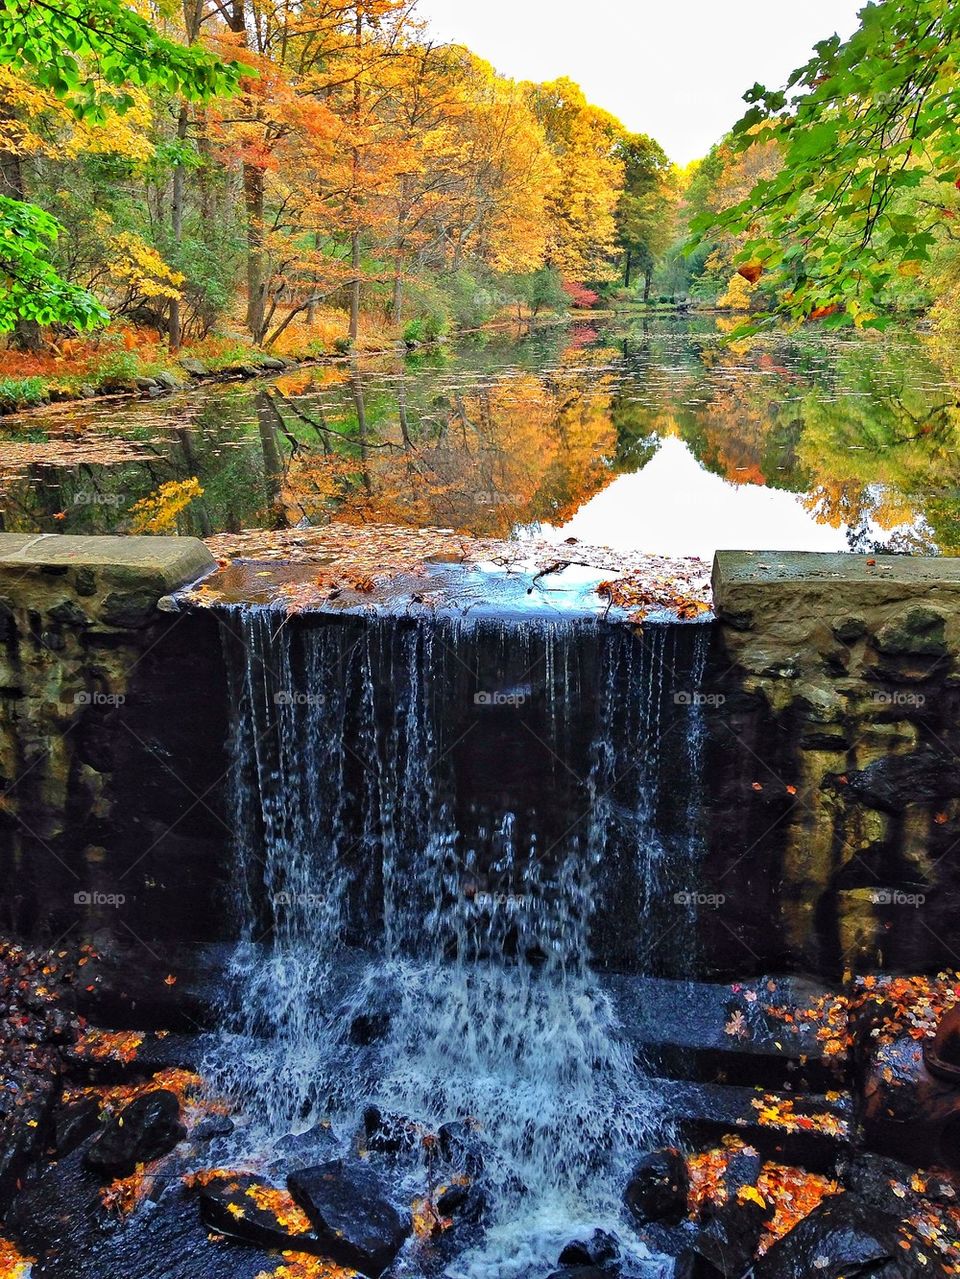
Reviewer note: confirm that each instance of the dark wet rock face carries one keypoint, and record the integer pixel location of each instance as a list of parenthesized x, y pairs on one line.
[(841, 1239), (351, 1215), (212, 1127), (467, 1204), (599, 1249), (143, 1130), (461, 1148), (584, 1272), (75, 1123), (246, 1208), (730, 1239), (658, 1187), (942, 1053), (895, 781), (389, 1133)]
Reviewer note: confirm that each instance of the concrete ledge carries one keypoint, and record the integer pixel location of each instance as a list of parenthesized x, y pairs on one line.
[(791, 588), (157, 563), (735, 569)]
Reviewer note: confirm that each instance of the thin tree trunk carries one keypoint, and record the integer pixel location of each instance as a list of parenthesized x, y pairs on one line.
[(176, 226), (355, 257), (192, 17), (626, 270), (312, 304), (27, 333), (397, 304), (253, 203), (647, 281)]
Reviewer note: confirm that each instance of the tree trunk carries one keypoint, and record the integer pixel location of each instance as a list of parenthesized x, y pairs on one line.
[(313, 303), (647, 281), (176, 227), (355, 286), (397, 304), (192, 18), (253, 202), (355, 170), (27, 334), (626, 270)]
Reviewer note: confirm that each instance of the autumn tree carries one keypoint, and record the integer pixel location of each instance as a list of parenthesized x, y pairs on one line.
[(861, 128), (583, 198), (89, 55), (644, 209)]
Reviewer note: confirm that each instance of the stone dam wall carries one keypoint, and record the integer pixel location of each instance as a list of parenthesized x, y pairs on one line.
[(111, 740), (831, 796), (833, 815)]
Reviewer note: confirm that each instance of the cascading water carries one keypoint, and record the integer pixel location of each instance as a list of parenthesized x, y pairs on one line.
[(444, 831)]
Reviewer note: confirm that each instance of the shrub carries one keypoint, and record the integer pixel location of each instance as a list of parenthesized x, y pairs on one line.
[(21, 392), (471, 303), (581, 298)]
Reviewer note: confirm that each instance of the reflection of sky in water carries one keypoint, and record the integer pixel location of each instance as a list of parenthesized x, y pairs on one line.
[(653, 437), (673, 506)]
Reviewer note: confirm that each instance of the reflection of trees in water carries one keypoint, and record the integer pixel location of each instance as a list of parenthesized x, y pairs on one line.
[(865, 430), (483, 457), (506, 432)]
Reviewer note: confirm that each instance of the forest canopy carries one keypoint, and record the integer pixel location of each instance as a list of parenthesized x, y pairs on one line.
[(327, 175), (838, 194), (249, 165)]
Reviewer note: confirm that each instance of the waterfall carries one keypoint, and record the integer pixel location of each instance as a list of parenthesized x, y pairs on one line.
[(448, 829)]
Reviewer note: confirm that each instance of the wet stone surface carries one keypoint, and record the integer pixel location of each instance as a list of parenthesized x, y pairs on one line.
[(719, 1207)]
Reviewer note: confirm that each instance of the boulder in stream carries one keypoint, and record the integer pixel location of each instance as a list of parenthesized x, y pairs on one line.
[(600, 1248), (389, 1133), (351, 1215), (145, 1129), (658, 1187), (730, 1239), (842, 1238), (585, 1272), (242, 1206)]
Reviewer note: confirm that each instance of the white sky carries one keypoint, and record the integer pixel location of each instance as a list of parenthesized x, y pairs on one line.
[(676, 69)]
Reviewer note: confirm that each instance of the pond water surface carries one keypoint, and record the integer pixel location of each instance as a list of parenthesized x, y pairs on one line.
[(652, 435)]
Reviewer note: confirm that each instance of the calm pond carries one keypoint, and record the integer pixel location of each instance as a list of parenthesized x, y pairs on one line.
[(651, 435)]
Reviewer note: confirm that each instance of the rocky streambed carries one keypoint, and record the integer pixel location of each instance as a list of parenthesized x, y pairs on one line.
[(815, 1130)]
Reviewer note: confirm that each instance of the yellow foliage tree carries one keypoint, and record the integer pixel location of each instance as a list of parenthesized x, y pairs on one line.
[(738, 294), (158, 513)]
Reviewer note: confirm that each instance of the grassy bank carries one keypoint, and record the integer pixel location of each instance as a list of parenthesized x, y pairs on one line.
[(129, 361)]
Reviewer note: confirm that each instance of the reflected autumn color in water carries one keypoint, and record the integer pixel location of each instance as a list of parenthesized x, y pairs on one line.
[(483, 458), (658, 436)]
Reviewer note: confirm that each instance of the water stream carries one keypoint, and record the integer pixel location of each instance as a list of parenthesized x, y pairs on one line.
[(446, 832)]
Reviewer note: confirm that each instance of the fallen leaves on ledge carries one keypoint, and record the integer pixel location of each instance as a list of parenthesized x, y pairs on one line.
[(109, 1045), (794, 1193), (300, 1265), (122, 1196), (360, 557), (791, 1191), (781, 1113), (900, 1006)]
